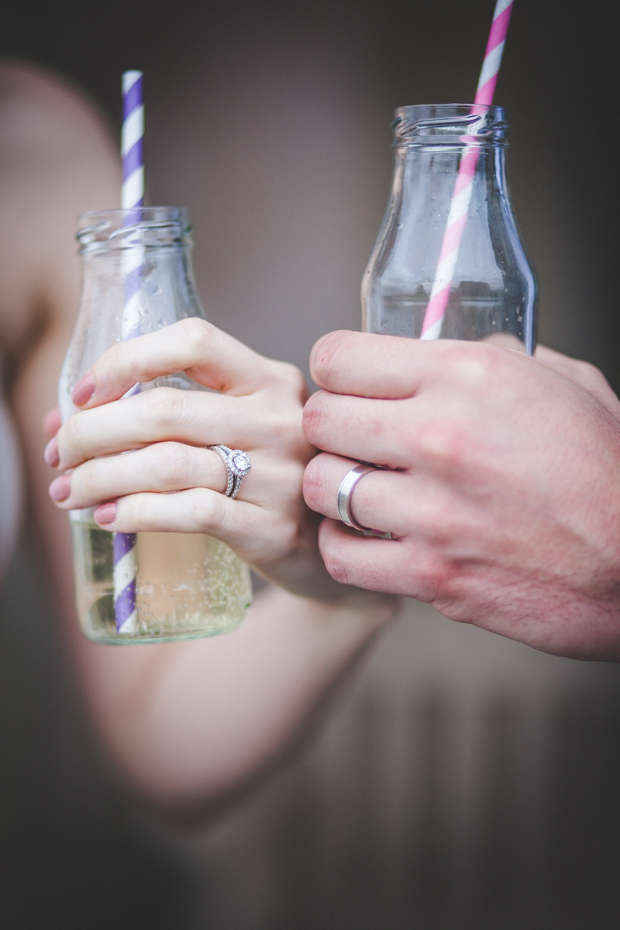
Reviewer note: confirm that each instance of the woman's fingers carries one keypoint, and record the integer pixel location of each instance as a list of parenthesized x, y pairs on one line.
[(172, 466), (193, 417), (208, 355), (163, 466), (239, 524), (52, 422)]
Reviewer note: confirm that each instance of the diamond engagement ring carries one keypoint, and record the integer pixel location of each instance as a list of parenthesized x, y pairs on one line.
[(345, 492), (237, 464)]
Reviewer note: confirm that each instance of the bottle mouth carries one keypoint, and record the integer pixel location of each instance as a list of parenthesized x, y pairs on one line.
[(138, 227), (449, 124)]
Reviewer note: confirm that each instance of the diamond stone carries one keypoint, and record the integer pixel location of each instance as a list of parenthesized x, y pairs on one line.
[(240, 463)]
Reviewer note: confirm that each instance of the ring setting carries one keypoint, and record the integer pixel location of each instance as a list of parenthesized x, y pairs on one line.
[(237, 464), (345, 492)]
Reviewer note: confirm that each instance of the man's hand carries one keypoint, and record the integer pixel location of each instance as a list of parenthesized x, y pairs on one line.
[(504, 491)]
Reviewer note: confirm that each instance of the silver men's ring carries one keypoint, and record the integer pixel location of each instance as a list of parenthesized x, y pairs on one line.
[(345, 492), (237, 464)]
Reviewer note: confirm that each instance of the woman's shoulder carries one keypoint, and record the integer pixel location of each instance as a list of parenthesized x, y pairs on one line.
[(10, 485)]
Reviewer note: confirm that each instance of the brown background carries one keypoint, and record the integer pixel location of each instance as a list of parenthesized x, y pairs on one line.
[(464, 780)]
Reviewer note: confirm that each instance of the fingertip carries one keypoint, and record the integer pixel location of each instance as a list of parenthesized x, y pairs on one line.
[(51, 453), (106, 513), (52, 422), (323, 352), (83, 390), (60, 489)]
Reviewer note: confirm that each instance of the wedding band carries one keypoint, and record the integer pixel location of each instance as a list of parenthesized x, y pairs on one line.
[(345, 492), (237, 464)]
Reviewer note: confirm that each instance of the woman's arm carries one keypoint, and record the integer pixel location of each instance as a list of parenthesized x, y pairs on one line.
[(191, 724)]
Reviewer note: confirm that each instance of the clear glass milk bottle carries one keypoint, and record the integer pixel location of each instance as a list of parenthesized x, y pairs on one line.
[(492, 289), (144, 587)]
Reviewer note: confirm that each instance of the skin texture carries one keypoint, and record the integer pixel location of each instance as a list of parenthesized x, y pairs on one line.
[(191, 725), (503, 494), (258, 408)]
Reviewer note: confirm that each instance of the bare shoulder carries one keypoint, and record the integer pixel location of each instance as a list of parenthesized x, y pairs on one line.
[(57, 159), (37, 104)]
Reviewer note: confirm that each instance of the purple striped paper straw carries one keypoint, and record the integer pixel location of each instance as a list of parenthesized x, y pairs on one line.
[(132, 195)]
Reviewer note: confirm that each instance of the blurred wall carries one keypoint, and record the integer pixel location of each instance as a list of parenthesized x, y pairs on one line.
[(464, 780)]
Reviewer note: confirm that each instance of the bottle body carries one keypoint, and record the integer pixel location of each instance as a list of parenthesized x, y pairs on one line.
[(492, 289), (144, 587)]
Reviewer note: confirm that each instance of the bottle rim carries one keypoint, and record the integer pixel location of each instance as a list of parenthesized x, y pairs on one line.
[(449, 124), (143, 227)]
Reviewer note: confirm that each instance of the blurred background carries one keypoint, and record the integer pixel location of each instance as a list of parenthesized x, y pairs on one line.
[(462, 780)]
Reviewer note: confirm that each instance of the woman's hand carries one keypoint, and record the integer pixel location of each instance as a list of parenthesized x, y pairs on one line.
[(255, 405)]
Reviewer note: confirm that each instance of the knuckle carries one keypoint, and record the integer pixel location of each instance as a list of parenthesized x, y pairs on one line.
[(173, 463), (591, 377), (138, 509), (336, 564), (474, 365), (282, 539), (70, 434), (288, 534), (327, 352), (88, 479), (199, 334), (444, 444), (437, 520), (165, 407), (207, 510), (123, 357), (430, 580), (286, 434), (314, 417), (315, 485), (293, 378)]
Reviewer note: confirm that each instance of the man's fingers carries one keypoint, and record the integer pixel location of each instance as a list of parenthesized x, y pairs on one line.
[(581, 373), (392, 367), (208, 355), (363, 561), (380, 499), (362, 428), (368, 365), (395, 566)]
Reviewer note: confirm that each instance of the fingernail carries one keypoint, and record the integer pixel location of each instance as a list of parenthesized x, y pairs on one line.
[(51, 454), (83, 390), (60, 489), (106, 513)]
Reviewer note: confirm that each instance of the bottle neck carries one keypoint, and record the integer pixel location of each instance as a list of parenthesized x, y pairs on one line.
[(437, 127), (150, 229), (435, 144)]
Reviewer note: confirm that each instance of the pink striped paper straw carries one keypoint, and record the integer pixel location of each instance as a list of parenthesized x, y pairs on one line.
[(459, 205), (132, 195)]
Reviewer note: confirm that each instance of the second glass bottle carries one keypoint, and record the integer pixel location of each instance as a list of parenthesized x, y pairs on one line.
[(492, 285)]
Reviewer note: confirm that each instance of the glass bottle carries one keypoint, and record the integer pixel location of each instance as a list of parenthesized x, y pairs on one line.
[(493, 290), (137, 278)]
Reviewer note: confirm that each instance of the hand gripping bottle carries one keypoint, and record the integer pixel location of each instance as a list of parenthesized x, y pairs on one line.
[(144, 587)]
